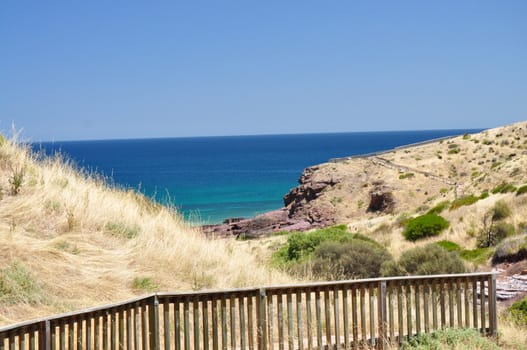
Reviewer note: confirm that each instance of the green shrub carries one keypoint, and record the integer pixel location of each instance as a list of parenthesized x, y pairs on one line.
[(518, 312), (511, 250), (355, 259), (503, 188), (17, 285), (301, 245), (425, 226), (450, 338), (439, 208), (427, 260), (521, 190), (495, 234), (449, 245)]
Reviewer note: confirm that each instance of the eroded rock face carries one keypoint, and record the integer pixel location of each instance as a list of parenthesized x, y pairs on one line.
[(381, 199), (309, 189)]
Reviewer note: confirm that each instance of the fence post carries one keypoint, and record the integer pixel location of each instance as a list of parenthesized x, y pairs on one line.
[(153, 320), (381, 306), (261, 320), (44, 335), (493, 317)]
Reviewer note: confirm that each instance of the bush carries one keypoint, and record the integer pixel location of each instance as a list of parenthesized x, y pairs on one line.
[(356, 259), (518, 312), (500, 211), (510, 250), (428, 260), (521, 190), (495, 234), (301, 245), (425, 226)]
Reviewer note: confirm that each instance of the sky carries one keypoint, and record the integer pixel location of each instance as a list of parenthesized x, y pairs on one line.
[(82, 70)]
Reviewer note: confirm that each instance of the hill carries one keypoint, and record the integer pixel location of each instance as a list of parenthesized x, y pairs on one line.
[(68, 240)]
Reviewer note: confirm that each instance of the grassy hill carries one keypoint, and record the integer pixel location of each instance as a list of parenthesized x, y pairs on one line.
[(68, 241)]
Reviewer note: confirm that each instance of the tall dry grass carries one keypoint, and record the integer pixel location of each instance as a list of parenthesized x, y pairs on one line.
[(85, 243)]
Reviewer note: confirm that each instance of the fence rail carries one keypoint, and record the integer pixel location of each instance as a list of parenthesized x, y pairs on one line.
[(330, 315)]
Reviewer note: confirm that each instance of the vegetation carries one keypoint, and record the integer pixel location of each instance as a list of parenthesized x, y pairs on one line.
[(504, 188), (467, 200), (92, 240), (18, 285), (494, 228), (511, 249), (426, 260), (521, 190), (300, 245), (331, 253), (518, 312), (477, 256), (355, 259), (144, 284), (425, 226), (438, 209), (406, 176), (450, 338)]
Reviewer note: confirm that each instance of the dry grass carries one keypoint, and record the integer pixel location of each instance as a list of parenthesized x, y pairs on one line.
[(85, 243)]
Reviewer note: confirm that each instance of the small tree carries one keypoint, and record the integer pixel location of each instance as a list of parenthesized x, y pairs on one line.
[(494, 229)]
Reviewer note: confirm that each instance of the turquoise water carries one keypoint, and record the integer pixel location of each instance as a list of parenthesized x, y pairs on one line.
[(212, 178)]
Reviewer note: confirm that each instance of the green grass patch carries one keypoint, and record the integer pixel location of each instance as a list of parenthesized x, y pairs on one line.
[(449, 245), (144, 283), (521, 190), (518, 312), (450, 338), (406, 176), (439, 208), (477, 256), (504, 188), (122, 230), (18, 286), (467, 200)]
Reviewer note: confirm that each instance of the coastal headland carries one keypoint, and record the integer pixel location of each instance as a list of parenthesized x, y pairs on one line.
[(376, 188)]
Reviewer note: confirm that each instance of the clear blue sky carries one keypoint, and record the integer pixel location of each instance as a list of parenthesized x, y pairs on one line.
[(127, 69)]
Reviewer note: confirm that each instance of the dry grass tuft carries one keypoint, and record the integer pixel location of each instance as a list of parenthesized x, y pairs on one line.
[(85, 243)]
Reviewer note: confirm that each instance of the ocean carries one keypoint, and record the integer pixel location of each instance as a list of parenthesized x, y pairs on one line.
[(209, 179)]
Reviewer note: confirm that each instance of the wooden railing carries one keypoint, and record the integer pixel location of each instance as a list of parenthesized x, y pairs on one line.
[(330, 315)]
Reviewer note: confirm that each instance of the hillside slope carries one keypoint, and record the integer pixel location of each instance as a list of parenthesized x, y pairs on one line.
[(373, 194), (68, 241)]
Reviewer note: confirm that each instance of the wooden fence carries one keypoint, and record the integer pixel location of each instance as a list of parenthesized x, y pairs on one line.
[(330, 315)]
